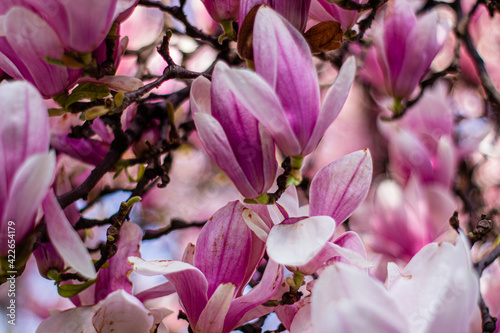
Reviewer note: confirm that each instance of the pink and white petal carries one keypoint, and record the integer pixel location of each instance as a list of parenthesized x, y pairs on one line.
[(73, 320), (296, 244), (188, 255), (212, 318), (33, 40), (223, 247), (269, 164), (160, 290), (29, 186), (121, 312), (261, 293), (351, 241), (24, 124), (190, 283), (438, 288), (218, 148), (65, 239), (116, 277), (351, 301), (283, 58), (200, 98), (289, 201), (302, 321), (333, 103), (259, 99), (256, 224), (340, 187)]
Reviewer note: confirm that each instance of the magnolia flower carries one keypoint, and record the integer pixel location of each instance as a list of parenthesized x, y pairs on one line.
[(305, 243), (436, 292), (31, 32), (210, 287), (26, 166), (232, 137), (226, 10), (406, 46), (420, 143), (283, 94)]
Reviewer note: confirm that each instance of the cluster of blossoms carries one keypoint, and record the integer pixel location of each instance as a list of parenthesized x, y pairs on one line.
[(332, 150)]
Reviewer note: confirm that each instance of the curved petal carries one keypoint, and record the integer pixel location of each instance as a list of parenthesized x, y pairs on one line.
[(65, 239), (223, 247), (259, 99), (24, 124), (200, 99), (190, 283), (212, 318), (438, 289), (261, 293), (160, 290), (283, 58), (296, 244), (33, 39), (217, 146), (29, 187), (333, 103), (73, 320), (121, 312), (351, 301), (340, 187)]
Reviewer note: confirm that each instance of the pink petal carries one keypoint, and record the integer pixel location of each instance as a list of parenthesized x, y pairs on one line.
[(296, 244), (65, 239), (29, 186), (190, 283), (73, 320), (438, 289), (340, 187), (32, 39), (217, 146), (223, 247), (259, 98), (333, 103), (24, 124), (160, 290), (282, 57), (261, 293), (121, 312), (351, 301), (212, 318)]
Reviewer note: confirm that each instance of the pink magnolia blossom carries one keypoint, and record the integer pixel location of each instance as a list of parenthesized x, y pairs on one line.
[(305, 243), (406, 46), (232, 137), (283, 94), (211, 287), (421, 142), (436, 292), (26, 166)]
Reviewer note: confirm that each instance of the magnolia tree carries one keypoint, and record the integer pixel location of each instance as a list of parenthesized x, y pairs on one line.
[(326, 165)]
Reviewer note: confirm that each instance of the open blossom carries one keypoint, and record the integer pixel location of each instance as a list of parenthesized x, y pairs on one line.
[(305, 243), (232, 137), (436, 285), (210, 287), (283, 94), (26, 166), (406, 46)]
